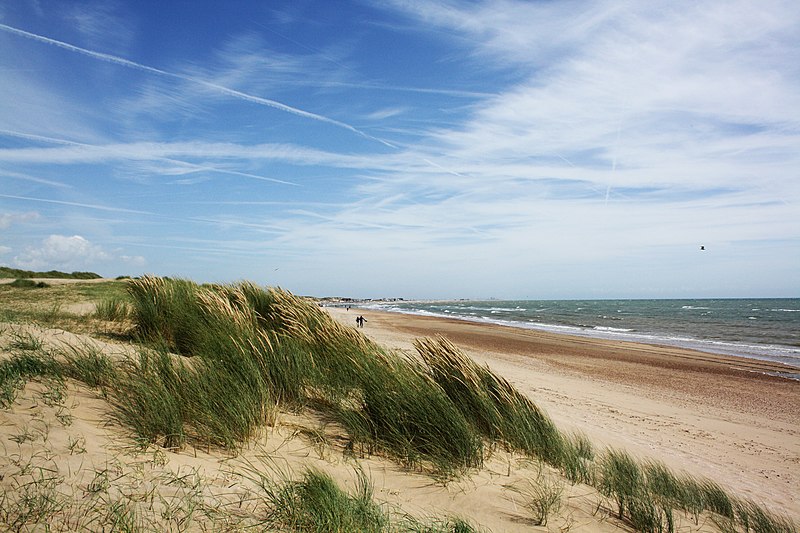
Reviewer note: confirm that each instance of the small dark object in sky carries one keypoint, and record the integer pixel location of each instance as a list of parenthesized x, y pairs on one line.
[(702, 247)]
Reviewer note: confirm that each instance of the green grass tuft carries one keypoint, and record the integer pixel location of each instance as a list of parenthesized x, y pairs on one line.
[(148, 399), (25, 341), (113, 310), (22, 367), (315, 503), (88, 365), (496, 410), (27, 284)]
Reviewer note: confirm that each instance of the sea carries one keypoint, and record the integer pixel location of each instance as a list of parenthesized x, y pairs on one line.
[(766, 329)]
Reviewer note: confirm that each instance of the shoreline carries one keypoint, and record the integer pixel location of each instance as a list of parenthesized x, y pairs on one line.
[(710, 347), (719, 416)]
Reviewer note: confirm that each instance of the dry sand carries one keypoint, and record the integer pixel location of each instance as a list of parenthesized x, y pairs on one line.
[(721, 417)]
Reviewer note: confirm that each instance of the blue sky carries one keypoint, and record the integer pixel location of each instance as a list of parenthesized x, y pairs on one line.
[(407, 148)]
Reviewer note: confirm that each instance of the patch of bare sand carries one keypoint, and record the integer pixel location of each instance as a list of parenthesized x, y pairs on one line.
[(721, 417)]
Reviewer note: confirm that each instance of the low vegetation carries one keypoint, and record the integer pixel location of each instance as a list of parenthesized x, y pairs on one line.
[(216, 363), (7, 272), (27, 284)]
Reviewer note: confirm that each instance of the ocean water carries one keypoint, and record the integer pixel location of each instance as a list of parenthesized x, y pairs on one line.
[(767, 329)]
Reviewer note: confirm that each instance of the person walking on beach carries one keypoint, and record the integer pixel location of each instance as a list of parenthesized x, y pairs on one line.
[(360, 321)]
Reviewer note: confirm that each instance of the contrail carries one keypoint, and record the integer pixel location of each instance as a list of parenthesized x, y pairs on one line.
[(272, 228), (76, 204), (194, 166), (199, 168), (26, 177), (440, 167), (42, 138), (220, 88)]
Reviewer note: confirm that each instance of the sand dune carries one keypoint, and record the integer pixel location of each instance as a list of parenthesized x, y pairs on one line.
[(721, 417)]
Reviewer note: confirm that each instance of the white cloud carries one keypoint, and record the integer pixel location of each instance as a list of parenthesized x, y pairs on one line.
[(133, 260), (7, 219), (62, 252), (70, 253), (74, 252)]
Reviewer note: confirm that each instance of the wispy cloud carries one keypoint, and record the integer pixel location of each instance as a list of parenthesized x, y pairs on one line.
[(8, 219), (111, 153), (684, 96), (100, 23), (216, 87), (85, 153)]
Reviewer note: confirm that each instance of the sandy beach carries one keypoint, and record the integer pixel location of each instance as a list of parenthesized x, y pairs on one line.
[(722, 417), (711, 416)]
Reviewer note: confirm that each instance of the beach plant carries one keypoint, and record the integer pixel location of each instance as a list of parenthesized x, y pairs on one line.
[(54, 394), (620, 478), (76, 445), (166, 311), (339, 355), (226, 403), (577, 457), (219, 396), (148, 398), (316, 503), (122, 516), (25, 341), (86, 363), (22, 367), (542, 496), (405, 413), (647, 493), (753, 517), (495, 408), (112, 309), (451, 524), (27, 284), (52, 314), (385, 401), (258, 343)]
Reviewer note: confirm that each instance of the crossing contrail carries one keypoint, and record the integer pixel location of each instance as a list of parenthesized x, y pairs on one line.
[(194, 166), (219, 88)]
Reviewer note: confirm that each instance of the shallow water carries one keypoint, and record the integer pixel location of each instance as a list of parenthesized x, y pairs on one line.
[(767, 329)]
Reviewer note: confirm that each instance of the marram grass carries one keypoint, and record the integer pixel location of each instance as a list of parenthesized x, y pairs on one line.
[(251, 350), (498, 412)]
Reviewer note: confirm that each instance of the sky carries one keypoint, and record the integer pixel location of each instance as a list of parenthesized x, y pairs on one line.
[(407, 148)]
